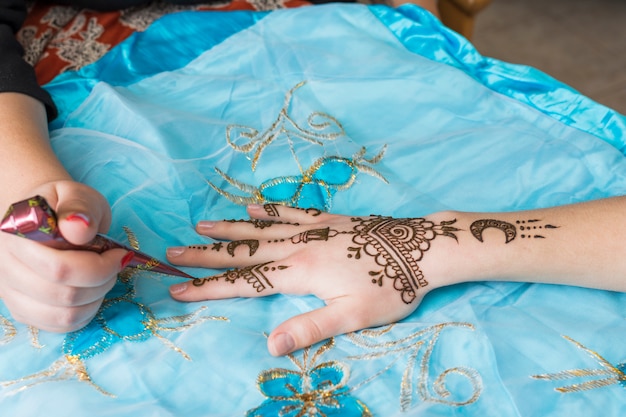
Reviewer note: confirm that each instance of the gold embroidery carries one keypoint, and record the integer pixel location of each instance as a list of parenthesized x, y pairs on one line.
[(259, 195), (612, 374), (179, 323), (310, 390), (412, 345), (316, 182), (8, 330), (110, 326), (72, 365), (62, 369), (303, 397), (132, 238), (284, 126), (34, 337)]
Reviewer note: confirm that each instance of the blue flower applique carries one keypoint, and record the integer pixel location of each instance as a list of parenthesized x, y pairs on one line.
[(311, 390)]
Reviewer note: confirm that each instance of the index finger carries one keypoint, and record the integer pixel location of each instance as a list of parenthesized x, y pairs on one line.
[(72, 267), (267, 221), (251, 281)]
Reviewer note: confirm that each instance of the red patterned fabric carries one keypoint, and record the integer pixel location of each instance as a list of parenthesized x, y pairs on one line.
[(61, 38)]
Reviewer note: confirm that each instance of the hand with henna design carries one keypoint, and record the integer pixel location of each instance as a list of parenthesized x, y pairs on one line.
[(365, 269), (374, 270)]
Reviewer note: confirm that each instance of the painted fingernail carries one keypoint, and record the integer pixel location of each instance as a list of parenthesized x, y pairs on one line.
[(178, 288), (205, 225), (78, 217), (127, 258), (283, 344), (175, 251)]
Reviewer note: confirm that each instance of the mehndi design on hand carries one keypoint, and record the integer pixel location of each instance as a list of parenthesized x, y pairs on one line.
[(397, 245)]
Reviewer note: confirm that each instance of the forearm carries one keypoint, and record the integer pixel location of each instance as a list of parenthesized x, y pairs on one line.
[(27, 157), (580, 244)]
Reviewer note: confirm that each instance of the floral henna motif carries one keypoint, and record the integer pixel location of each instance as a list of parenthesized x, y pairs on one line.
[(397, 245), (253, 275)]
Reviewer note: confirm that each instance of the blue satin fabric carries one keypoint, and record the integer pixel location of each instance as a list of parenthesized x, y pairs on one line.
[(349, 108)]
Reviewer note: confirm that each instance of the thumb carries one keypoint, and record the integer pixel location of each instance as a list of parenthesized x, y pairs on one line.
[(309, 328), (81, 217)]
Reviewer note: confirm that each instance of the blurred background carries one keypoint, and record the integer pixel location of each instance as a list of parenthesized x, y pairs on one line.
[(579, 42)]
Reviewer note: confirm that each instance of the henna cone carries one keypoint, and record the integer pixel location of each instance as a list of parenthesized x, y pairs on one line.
[(34, 219)]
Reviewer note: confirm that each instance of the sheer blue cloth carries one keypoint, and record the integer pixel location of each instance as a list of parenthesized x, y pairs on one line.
[(351, 109)]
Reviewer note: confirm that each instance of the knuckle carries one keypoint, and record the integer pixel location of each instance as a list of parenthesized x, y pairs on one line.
[(305, 260), (68, 296), (312, 331), (59, 271), (69, 319), (361, 317)]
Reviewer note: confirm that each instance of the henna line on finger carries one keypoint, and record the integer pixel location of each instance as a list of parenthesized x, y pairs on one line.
[(271, 210), (313, 234), (215, 246), (260, 224), (313, 212), (254, 275)]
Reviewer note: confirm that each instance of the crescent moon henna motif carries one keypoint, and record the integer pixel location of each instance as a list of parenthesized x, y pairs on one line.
[(252, 245), (477, 228)]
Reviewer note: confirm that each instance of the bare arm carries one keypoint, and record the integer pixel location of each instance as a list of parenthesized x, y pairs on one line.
[(28, 160), (580, 244)]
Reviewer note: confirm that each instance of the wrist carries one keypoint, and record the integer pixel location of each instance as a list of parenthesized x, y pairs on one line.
[(457, 256), (31, 162)]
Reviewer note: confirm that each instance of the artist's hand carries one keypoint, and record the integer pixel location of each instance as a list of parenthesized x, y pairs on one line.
[(365, 269), (59, 290)]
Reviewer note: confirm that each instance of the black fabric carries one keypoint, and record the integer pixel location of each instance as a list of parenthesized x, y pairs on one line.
[(101, 5), (16, 75)]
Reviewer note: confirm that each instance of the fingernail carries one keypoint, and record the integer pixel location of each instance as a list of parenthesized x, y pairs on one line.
[(178, 288), (283, 344), (254, 206), (204, 225), (127, 258), (174, 251), (78, 217)]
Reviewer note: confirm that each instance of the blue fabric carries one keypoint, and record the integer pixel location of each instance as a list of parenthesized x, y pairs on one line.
[(356, 110)]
